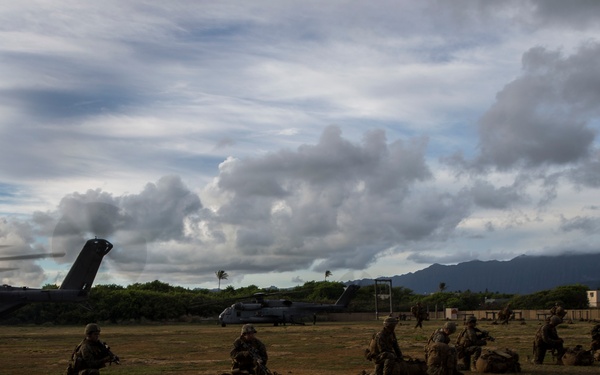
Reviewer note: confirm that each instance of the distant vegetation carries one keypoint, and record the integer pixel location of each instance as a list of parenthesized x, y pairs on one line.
[(161, 302)]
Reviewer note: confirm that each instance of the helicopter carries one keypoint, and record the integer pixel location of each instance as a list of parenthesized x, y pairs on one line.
[(75, 287), (282, 311)]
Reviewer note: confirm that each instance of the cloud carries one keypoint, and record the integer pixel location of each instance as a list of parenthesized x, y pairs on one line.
[(587, 225), (540, 118), (578, 14), (486, 195), (200, 137), (335, 204)]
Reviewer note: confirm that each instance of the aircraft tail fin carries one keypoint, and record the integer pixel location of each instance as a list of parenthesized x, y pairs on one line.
[(84, 270), (348, 294)]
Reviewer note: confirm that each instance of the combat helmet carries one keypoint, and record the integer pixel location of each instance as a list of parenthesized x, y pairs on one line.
[(450, 327), (472, 319), (248, 328), (91, 328), (390, 321)]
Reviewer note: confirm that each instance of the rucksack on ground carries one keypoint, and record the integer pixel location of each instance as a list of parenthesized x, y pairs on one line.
[(498, 361), (577, 356)]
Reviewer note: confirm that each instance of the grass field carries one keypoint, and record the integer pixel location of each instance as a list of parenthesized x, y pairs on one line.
[(326, 348)]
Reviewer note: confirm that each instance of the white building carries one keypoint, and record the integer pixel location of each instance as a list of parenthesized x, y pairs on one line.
[(593, 298)]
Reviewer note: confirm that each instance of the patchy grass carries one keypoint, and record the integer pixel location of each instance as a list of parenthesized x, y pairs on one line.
[(327, 348)]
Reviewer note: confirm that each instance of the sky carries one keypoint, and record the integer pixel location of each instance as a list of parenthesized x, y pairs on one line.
[(279, 140)]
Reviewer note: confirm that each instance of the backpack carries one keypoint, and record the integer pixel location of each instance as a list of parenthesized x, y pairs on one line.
[(460, 343), (578, 357), (76, 362), (439, 355), (412, 366), (372, 351), (498, 361), (596, 332)]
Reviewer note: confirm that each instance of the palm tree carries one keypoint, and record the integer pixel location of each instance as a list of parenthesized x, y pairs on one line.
[(221, 275), (327, 274), (442, 287)]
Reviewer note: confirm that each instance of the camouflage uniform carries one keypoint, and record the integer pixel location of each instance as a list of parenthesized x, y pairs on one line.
[(419, 313), (386, 351), (595, 348), (469, 343), (440, 357), (505, 314), (244, 347), (596, 337), (547, 338), (91, 355), (558, 310)]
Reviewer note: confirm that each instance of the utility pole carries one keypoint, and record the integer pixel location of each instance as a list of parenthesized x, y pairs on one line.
[(379, 295)]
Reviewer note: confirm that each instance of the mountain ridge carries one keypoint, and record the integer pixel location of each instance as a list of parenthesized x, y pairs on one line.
[(523, 274)]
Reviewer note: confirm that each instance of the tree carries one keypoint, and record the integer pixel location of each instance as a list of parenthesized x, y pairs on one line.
[(221, 275), (327, 274), (442, 287)]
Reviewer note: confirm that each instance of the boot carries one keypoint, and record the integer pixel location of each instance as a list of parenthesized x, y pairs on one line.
[(559, 362)]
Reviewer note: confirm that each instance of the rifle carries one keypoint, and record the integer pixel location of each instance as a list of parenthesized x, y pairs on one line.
[(485, 335), (257, 358), (113, 357)]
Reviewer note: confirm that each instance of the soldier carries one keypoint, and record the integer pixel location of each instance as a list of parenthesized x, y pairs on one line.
[(547, 338), (91, 354), (384, 349), (469, 343), (249, 353), (419, 313), (505, 314), (440, 357), (558, 310), (595, 348)]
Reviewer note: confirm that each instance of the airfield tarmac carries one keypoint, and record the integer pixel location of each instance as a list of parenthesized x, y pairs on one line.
[(326, 348)]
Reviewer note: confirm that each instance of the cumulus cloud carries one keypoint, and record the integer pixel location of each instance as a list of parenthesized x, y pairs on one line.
[(335, 204), (541, 118)]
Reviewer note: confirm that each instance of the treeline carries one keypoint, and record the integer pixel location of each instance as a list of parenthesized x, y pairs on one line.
[(160, 302)]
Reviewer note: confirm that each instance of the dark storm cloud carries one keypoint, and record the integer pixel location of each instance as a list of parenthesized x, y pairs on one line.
[(542, 117), (157, 214), (162, 207), (488, 196), (131, 221), (587, 173)]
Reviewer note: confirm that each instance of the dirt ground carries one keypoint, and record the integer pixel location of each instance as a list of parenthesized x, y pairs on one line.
[(325, 348)]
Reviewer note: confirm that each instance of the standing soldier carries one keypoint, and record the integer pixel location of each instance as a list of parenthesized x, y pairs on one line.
[(558, 310), (440, 357), (547, 338), (469, 343), (419, 313), (505, 314), (384, 349), (249, 353), (91, 354)]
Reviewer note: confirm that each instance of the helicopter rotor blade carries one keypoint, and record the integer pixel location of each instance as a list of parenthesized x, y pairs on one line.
[(32, 256), (8, 269)]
